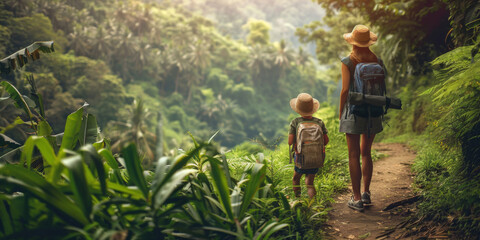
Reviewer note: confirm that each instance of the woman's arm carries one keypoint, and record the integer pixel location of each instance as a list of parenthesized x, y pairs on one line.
[(345, 87)]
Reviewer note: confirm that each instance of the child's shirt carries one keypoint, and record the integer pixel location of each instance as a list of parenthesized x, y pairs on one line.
[(296, 121)]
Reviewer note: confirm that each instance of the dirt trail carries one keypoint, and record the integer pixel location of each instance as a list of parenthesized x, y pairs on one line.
[(391, 182)]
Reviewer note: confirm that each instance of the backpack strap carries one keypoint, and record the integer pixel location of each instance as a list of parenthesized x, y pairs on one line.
[(351, 68), (380, 61), (290, 152)]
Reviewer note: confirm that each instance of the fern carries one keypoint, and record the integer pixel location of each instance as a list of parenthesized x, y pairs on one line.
[(456, 96)]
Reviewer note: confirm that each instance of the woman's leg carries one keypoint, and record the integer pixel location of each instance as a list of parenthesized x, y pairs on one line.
[(309, 178), (353, 142), (367, 165), (296, 183)]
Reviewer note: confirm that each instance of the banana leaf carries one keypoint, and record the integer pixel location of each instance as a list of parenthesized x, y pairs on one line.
[(95, 164), (25, 55), (78, 183), (17, 98), (88, 132), (72, 129)]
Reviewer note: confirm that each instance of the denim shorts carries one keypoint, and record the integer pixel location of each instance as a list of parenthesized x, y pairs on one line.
[(358, 125)]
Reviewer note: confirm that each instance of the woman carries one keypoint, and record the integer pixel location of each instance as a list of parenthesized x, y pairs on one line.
[(355, 127)]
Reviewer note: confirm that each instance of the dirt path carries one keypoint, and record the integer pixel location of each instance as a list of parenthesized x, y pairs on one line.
[(391, 182)]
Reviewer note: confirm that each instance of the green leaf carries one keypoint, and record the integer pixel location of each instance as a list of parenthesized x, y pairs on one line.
[(221, 187), (36, 97), (256, 178), (17, 98), (17, 121), (78, 183), (89, 132), (45, 149), (72, 129), (90, 155), (133, 193), (169, 186), (164, 172), (134, 169), (44, 129), (6, 221), (227, 173), (271, 229), (220, 230), (30, 182), (110, 160), (30, 102), (363, 236)]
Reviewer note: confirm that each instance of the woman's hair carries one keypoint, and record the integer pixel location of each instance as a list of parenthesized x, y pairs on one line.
[(362, 54)]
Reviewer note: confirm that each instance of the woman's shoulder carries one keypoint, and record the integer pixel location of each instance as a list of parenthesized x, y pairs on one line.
[(346, 60)]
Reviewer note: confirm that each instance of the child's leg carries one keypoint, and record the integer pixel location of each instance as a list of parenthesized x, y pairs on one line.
[(309, 182), (296, 183)]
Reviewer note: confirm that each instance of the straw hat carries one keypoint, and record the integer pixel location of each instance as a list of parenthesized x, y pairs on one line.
[(304, 104), (360, 36)]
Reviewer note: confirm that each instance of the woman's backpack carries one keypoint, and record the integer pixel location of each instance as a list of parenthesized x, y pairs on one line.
[(369, 79)]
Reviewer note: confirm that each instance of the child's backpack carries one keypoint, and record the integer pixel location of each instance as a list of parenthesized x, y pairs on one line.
[(310, 145)]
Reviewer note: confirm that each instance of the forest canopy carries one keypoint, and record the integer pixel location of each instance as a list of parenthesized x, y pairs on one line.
[(177, 62)]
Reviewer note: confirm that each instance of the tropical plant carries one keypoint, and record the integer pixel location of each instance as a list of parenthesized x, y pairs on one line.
[(135, 130), (23, 56), (87, 192), (455, 100)]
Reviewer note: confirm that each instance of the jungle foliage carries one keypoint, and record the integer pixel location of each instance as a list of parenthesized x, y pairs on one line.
[(151, 71), (430, 49), (109, 53), (75, 184)]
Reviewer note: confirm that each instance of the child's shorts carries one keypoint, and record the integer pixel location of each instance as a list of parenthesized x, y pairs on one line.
[(304, 171)]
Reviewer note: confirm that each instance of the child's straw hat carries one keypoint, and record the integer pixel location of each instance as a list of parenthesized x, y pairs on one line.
[(360, 36), (304, 104)]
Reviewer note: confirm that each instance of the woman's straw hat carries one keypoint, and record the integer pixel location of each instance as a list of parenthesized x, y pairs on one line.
[(360, 36), (304, 104)]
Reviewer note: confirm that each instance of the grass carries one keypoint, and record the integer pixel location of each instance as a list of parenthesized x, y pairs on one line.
[(449, 196)]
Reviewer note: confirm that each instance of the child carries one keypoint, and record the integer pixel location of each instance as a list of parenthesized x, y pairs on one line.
[(306, 106)]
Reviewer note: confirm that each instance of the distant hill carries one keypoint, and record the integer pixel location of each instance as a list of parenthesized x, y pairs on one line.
[(283, 15)]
